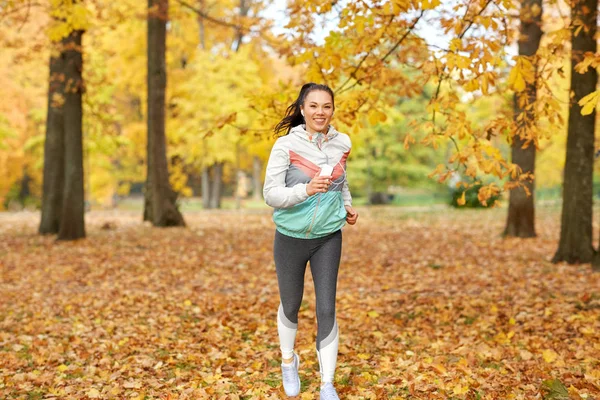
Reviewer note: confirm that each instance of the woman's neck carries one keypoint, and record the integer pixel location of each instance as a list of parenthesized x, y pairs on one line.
[(313, 132)]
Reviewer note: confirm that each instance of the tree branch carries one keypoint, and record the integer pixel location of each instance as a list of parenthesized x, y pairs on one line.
[(394, 47), (209, 18)]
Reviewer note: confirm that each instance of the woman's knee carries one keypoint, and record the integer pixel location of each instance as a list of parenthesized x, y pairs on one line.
[(291, 309), (326, 314)]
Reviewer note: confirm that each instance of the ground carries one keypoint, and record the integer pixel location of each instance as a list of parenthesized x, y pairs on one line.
[(432, 304)]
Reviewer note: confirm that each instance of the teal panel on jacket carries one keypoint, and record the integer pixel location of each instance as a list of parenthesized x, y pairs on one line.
[(317, 216), (330, 214)]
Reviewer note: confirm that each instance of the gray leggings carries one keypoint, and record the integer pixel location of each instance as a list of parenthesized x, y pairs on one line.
[(291, 257)]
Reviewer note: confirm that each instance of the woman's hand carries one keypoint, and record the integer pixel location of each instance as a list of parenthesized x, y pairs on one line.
[(351, 215), (318, 184)]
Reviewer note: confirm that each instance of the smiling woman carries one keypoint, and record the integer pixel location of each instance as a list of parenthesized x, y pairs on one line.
[(306, 184)]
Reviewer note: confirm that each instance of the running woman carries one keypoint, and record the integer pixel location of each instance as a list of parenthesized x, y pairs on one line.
[(306, 185)]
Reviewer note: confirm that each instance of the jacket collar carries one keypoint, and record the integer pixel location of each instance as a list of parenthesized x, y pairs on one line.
[(300, 132)]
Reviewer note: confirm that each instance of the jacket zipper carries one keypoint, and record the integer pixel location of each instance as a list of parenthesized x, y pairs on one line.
[(314, 216), (319, 200)]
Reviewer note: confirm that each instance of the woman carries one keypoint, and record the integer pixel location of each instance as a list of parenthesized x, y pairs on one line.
[(306, 184)]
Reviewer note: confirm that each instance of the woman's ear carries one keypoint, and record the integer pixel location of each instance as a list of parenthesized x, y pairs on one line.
[(302, 112)]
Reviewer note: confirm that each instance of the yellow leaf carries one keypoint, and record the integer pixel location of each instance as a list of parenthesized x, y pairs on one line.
[(586, 331), (588, 103), (62, 368), (522, 73), (364, 356), (439, 368), (430, 4), (187, 303), (515, 79), (376, 116), (462, 200), (93, 394), (455, 44), (459, 389), (549, 355), (373, 314)]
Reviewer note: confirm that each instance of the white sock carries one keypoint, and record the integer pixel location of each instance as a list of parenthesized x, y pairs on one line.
[(287, 334), (328, 356)]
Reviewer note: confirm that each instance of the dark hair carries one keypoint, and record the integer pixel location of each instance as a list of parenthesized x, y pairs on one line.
[(293, 117)]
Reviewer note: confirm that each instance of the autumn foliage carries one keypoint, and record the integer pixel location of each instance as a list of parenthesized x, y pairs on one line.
[(430, 306)]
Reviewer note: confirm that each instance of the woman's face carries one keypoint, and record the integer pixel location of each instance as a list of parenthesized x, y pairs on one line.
[(318, 110)]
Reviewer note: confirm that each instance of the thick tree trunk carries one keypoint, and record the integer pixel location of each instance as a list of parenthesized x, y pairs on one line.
[(575, 245), (162, 198), (215, 190), (256, 178), (520, 221), (72, 225), (206, 187), (52, 192)]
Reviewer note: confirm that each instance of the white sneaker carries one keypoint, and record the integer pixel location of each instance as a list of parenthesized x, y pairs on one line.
[(328, 392), (291, 380)]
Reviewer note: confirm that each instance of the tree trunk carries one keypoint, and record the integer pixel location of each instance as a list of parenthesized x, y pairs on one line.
[(575, 245), (206, 187), (72, 224), (215, 190), (238, 172), (201, 32), (256, 178), (25, 190), (52, 191), (162, 198), (520, 221), (239, 36)]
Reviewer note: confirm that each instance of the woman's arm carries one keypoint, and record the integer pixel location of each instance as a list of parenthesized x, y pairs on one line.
[(276, 194), (346, 196)]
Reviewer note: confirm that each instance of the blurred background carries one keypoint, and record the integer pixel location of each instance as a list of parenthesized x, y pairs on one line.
[(233, 67)]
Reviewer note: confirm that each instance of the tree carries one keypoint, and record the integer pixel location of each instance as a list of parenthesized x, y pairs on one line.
[(72, 225), (575, 244), (53, 183), (63, 195), (159, 204), (520, 221)]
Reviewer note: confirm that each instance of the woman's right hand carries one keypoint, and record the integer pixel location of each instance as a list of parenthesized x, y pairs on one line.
[(319, 184)]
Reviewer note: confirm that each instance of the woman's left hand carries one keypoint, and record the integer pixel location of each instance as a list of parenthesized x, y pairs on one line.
[(351, 215)]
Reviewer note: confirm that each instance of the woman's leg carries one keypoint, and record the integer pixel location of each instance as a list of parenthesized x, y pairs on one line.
[(324, 266), (291, 257)]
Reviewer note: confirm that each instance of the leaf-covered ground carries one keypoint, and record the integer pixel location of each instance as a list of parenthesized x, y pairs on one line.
[(430, 306)]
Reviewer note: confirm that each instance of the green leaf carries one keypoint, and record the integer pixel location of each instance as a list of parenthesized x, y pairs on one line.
[(555, 390)]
